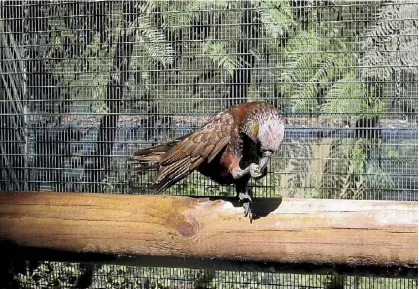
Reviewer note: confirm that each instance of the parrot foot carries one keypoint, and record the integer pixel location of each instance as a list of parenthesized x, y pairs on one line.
[(246, 200)]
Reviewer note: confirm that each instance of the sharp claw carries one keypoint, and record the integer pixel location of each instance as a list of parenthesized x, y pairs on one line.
[(248, 211), (246, 200)]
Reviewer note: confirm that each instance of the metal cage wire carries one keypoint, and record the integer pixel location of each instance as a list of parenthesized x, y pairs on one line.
[(85, 84), (112, 276)]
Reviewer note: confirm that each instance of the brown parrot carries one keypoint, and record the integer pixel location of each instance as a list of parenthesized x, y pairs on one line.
[(232, 147)]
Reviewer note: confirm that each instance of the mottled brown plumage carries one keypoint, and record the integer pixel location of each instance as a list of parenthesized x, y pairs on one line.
[(232, 147)]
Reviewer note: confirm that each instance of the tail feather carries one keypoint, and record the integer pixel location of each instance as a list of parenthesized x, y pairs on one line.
[(169, 175), (149, 158), (163, 148)]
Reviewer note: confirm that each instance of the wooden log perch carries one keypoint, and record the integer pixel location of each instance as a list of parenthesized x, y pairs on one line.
[(295, 230)]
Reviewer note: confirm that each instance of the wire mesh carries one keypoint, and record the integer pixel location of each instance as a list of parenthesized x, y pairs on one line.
[(74, 275), (85, 84)]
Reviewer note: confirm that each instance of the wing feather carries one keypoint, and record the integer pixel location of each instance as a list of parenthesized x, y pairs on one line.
[(218, 147), (207, 150), (197, 150), (186, 156)]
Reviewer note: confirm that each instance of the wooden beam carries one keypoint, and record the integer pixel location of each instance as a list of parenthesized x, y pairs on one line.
[(293, 230)]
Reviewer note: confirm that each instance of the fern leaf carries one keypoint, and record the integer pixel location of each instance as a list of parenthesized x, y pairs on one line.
[(391, 42), (217, 53), (154, 41), (276, 17)]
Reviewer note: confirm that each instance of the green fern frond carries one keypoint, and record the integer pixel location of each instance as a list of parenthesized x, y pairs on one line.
[(344, 98), (217, 53), (307, 68), (154, 41), (146, 6), (391, 42), (347, 99), (351, 173), (313, 65), (183, 12), (276, 17), (303, 99), (346, 170)]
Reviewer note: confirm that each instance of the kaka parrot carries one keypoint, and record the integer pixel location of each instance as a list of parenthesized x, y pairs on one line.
[(232, 147)]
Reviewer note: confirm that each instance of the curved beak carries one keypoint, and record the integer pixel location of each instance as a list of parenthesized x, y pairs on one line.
[(265, 158)]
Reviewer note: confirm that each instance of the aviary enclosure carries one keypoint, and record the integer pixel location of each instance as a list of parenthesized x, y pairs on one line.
[(84, 84)]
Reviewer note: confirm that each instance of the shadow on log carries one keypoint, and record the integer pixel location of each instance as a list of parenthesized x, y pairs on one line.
[(260, 207)]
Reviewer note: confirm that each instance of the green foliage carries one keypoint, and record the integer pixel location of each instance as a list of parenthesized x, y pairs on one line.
[(50, 275), (86, 77), (313, 67), (65, 275), (83, 78), (276, 17), (347, 99), (217, 53), (124, 277), (302, 57), (152, 40), (318, 74), (117, 277), (111, 184), (181, 18), (348, 173), (391, 43), (389, 50)]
